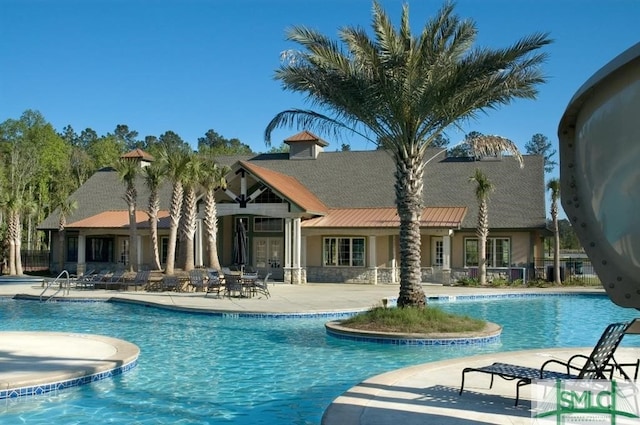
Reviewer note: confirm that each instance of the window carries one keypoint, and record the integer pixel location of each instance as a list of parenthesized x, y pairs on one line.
[(498, 252), (267, 224), (72, 249), (437, 252), (164, 248), (100, 250), (343, 252), (124, 251)]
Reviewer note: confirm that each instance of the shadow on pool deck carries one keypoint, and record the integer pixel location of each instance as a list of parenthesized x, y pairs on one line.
[(428, 393)]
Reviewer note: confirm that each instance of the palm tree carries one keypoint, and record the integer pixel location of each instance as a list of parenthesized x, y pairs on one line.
[(188, 221), (13, 225), (213, 177), (66, 208), (554, 186), (483, 188), (153, 176), (401, 92), (127, 170), (175, 162)]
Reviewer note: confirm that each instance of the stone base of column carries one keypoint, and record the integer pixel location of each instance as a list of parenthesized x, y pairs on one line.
[(373, 275), (295, 275)]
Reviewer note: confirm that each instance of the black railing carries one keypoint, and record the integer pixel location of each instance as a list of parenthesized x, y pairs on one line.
[(572, 270), (34, 261)]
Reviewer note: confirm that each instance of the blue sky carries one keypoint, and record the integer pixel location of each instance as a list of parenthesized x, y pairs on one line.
[(194, 65)]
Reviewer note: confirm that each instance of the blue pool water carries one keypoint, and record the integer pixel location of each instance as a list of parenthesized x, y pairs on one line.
[(202, 369)]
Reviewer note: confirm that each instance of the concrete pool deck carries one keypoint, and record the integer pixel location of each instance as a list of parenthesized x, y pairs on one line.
[(425, 394)]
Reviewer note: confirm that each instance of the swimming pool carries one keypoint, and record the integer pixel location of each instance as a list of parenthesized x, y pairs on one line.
[(202, 369)]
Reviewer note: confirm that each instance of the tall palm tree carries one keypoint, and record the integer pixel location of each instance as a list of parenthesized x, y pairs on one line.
[(554, 186), (188, 221), (213, 177), (483, 188), (128, 169), (154, 175), (13, 225), (401, 91), (66, 207), (175, 162)]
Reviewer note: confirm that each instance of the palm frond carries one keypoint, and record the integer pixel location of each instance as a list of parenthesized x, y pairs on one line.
[(483, 145)]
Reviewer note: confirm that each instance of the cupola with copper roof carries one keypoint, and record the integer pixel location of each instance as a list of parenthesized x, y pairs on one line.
[(305, 145), (139, 155)]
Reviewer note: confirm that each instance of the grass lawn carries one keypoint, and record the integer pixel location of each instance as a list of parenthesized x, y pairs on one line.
[(413, 320)]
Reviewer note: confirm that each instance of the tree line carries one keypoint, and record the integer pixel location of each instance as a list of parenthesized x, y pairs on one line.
[(41, 167)]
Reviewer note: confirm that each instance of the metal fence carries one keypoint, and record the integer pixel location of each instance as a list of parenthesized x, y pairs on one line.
[(572, 269), (35, 261)]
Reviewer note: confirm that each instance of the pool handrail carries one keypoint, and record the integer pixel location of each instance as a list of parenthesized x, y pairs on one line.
[(65, 285)]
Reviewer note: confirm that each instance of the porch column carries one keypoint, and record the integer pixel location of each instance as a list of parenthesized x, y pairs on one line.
[(394, 261), (197, 237), (373, 264), (139, 251), (296, 242), (82, 246), (287, 250), (446, 257)]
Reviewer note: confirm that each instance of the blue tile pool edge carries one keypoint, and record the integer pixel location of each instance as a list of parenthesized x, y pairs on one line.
[(41, 389), (391, 302), (490, 336)]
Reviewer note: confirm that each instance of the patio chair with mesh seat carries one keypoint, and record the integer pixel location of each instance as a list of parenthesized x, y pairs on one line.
[(214, 283), (598, 365), (261, 286), (197, 280)]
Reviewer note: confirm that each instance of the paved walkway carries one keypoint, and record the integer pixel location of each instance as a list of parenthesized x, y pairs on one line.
[(423, 394)]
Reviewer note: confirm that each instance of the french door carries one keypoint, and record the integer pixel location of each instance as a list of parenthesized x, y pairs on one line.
[(268, 255)]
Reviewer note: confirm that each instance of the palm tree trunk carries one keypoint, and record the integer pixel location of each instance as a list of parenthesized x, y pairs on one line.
[(154, 207), (11, 230), (61, 248), (482, 233), (18, 244), (188, 230), (556, 244), (409, 186), (176, 208), (211, 226), (133, 226)]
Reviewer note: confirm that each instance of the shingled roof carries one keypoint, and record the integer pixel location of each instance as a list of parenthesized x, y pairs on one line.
[(365, 179), (361, 179)]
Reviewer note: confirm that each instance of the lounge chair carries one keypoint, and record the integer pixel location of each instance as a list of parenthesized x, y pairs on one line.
[(598, 365), (170, 283), (141, 279), (116, 279), (214, 283), (197, 279), (86, 280), (98, 279)]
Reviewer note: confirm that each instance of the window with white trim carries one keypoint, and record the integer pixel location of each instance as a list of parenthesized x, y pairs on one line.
[(267, 224), (498, 252), (341, 251)]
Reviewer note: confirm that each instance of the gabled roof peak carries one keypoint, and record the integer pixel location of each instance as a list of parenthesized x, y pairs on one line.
[(138, 153)]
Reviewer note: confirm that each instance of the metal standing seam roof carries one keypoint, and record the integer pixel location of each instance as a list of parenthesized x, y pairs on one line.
[(433, 217), (118, 220), (288, 186)]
